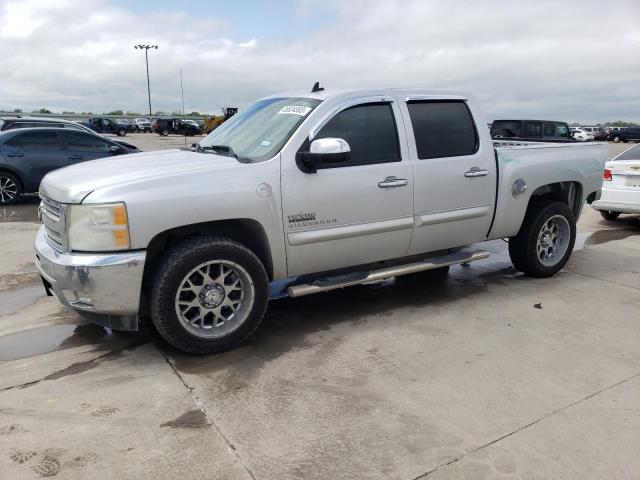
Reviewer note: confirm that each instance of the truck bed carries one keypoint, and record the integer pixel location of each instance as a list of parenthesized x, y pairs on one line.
[(538, 164)]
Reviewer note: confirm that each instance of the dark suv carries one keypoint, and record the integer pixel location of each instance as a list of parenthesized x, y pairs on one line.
[(631, 133), (165, 126), (107, 125), (531, 130)]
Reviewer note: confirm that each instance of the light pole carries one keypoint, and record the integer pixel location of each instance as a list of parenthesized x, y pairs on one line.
[(146, 57)]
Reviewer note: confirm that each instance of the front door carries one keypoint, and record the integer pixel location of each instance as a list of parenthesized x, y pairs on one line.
[(455, 175), (355, 213)]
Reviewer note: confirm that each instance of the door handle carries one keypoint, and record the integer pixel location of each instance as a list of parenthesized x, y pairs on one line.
[(15, 154), (391, 182), (75, 157), (476, 172)]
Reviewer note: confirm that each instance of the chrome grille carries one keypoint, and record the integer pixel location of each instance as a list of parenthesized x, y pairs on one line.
[(55, 239), (53, 216), (50, 208)]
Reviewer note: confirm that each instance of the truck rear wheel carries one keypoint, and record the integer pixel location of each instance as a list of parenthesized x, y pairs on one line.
[(209, 295), (545, 241)]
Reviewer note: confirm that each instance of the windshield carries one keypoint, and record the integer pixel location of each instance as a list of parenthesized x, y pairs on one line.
[(260, 131)]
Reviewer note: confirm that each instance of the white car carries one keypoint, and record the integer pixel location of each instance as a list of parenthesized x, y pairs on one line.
[(621, 185), (582, 135)]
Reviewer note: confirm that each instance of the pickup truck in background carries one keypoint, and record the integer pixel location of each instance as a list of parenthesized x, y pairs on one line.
[(532, 130), (302, 193), (624, 135)]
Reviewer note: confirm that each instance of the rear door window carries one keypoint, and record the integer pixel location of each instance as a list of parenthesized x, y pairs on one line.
[(532, 129), (549, 130), (443, 129), (85, 142), (36, 141)]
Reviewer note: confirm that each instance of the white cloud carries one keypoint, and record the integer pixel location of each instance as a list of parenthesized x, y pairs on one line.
[(537, 59)]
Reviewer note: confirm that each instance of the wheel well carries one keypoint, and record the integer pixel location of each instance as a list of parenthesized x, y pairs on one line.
[(569, 193), (15, 174), (245, 231)]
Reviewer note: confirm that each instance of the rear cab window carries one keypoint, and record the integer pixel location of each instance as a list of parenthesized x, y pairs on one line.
[(443, 128)]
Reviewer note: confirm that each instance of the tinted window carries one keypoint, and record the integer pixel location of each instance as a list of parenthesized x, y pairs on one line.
[(84, 142), (549, 130), (36, 141), (443, 129), (506, 129), (370, 130), (632, 154), (532, 129)]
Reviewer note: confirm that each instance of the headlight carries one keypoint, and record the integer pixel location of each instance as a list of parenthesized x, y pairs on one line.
[(98, 227)]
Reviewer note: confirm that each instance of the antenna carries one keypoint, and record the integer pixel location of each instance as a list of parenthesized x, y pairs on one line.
[(317, 88)]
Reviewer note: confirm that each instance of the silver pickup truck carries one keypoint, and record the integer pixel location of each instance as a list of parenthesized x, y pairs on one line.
[(303, 192)]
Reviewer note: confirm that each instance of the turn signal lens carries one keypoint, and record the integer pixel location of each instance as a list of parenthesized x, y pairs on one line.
[(607, 177)]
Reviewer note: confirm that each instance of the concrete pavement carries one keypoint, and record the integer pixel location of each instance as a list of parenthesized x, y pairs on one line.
[(484, 374)]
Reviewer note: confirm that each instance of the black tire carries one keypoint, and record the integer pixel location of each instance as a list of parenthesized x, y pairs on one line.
[(10, 188), (523, 248), (170, 274), (616, 138), (164, 132), (609, 215), (121, 132)]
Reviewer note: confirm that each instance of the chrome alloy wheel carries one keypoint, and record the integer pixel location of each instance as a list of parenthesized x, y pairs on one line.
[(214, 299), (8, 189), (553, 240)]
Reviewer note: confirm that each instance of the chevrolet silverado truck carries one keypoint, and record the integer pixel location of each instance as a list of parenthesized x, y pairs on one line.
[(302, 193)]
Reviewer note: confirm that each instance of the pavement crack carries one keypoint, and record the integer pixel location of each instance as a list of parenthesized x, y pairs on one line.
[(528, 425), (203, 408)]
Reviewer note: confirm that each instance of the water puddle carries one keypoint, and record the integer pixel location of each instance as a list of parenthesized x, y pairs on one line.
[(51, 338), (603, 236), (16, 299), (25, 212)]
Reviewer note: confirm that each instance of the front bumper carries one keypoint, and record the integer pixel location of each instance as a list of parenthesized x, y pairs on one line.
[(104, 287)]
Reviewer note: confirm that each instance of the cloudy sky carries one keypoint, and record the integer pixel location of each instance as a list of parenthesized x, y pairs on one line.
[(576, 61)]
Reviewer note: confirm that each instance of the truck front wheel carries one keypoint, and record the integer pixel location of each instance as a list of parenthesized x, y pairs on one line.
[(209, 295), (546, 239)]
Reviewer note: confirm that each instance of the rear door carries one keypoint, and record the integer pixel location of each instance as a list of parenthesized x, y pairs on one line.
[(36, 153), (356, 212), (454, 172), (83, 146)]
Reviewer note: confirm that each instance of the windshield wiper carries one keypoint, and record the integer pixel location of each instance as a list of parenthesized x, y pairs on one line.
[(224, 149)]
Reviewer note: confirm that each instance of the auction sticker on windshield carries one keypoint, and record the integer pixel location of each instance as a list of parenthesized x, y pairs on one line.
[(295, 110)]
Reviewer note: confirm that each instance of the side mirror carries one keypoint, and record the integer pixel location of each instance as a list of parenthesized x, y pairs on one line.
[(115, 149), (324, 152)]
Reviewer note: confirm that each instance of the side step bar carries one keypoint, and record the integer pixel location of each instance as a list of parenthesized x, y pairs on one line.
[(348, 280)]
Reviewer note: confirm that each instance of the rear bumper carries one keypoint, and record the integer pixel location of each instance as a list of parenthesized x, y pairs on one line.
[(618, 200), (103, 287)]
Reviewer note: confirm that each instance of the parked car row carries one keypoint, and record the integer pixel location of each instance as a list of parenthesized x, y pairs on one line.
[(545, 130)]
